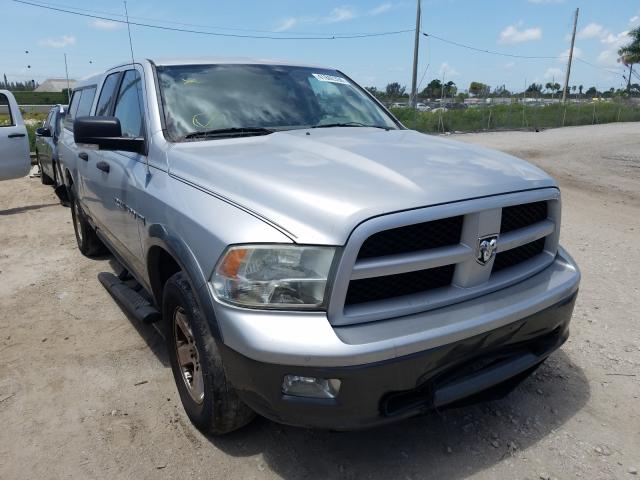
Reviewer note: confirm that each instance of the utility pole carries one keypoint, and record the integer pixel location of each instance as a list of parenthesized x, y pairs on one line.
[(573, 41), (66, 70), (414, 79)]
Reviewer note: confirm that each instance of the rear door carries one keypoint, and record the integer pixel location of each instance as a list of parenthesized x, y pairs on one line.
[(118, 176), (15, 160), (44, 148)]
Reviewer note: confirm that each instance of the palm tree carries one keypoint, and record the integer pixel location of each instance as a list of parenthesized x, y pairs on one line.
[(630, 54), (580, 90)]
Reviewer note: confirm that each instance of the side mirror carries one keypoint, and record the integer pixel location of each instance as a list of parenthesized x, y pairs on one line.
[(43, 132), (106, 133)]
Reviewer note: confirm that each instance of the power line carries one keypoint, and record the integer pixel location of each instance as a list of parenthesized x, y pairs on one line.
[(170, 22), (598, 67), (490, 52), (220, 34)]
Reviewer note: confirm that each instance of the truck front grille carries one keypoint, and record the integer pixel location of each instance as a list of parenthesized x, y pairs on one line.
[(391, 286), (413, 238), (409, 267), (515, 256), (520, 216)]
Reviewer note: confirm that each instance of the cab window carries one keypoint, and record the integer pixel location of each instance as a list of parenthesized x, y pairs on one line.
[(107, 94), (73, 107), (86, 101), (129, 105), (5, 112)]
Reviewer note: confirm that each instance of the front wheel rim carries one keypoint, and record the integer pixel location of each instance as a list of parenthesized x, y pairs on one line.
[(187, 355)]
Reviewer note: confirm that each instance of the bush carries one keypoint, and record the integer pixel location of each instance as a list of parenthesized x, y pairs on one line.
[(516, 116)]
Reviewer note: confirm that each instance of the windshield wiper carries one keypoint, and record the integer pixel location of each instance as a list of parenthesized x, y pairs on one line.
[(349, 124), (233, 131)]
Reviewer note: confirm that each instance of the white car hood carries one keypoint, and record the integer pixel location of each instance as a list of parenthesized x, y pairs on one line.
[(319, 184)]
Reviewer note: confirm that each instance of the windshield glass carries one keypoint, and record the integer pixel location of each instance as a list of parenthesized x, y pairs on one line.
[(206, 98)]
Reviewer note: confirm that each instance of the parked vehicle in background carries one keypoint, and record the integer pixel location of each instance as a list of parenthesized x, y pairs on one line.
[(423, 107), (15, 159), (310, 258), (47, 137)]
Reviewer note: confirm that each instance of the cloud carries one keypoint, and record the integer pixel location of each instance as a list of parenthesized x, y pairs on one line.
[(509, 65), (61, 42), (593, 30), (286, 24), (545, 1), (635, 20), (383, 7), (577, 53), (512, 34), (552, 73), (612, 42), (340, 14), (104, 24), (447, 70)]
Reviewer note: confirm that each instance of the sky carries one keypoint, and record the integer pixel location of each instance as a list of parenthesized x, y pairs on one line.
[(516, 27)]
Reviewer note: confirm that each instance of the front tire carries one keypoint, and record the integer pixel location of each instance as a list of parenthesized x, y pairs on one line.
[(209, 400), (88, 242)]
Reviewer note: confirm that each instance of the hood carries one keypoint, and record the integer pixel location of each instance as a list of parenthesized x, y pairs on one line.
[(319, 184)]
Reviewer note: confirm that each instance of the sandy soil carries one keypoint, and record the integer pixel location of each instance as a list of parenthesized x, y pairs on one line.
[(71, 362)]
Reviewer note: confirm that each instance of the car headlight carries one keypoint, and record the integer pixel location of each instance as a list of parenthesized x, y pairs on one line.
[(274, 276)]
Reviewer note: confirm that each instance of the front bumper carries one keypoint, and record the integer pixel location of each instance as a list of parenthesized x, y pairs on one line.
[(402, 367), (391, 390)]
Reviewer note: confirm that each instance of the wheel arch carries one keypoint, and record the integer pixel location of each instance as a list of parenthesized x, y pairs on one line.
[(166, 255)]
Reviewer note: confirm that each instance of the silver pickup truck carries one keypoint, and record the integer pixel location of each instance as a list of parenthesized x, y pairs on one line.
[(310, 259)]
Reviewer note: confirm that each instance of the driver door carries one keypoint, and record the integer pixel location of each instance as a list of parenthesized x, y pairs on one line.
[(15, 160)]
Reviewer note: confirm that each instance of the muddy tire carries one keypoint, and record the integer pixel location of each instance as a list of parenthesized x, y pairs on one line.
[(88, 242), (209, 400)]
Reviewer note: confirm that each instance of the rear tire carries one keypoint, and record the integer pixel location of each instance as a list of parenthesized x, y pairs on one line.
[(88, 242), (44, 178), (209, 400)]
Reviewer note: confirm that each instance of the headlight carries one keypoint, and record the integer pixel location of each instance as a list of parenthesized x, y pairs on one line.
[(274, 276)]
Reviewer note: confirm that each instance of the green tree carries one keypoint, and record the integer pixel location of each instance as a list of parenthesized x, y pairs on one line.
[(630, 54), (591, 92), (450, 89), (535, 89), (395, 90), (373, 91), (433, 89), (479, 88)]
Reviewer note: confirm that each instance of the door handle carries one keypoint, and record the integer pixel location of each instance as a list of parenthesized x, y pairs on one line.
[(104, 166), (84, 156), (16, 135)]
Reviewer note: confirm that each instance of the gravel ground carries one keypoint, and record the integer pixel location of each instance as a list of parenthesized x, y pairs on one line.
[(73, 405)]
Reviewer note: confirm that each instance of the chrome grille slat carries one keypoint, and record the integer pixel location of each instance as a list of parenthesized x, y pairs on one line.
[(522, 236), (410, 262)]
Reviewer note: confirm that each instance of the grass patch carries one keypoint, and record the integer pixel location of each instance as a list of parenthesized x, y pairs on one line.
[(40, 98), (514, 116)]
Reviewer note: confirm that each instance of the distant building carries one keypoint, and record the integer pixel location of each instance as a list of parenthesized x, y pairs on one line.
[(54, 85)]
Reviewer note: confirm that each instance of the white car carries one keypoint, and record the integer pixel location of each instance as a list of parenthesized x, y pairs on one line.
[(423, 107), (14, 141)]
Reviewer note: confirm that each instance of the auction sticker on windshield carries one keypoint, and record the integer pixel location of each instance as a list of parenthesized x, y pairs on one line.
[(330, 78)]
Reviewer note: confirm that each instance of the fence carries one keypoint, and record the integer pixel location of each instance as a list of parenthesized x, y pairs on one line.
[(518, 116)]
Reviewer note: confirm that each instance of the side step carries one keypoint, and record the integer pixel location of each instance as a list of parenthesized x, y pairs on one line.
[(138, 306)]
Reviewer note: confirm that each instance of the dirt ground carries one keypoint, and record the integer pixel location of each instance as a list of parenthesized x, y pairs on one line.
[(73, 405)]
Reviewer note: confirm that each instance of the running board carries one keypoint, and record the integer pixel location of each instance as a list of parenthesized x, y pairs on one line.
[(134, 303)]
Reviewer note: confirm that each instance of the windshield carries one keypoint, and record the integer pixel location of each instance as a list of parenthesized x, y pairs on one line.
[(209, 99)]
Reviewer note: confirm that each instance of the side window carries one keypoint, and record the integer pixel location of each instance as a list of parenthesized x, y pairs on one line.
[(129, 105), (47, 122), (86, 101), (73, 107), (5, 112), (107, 94)]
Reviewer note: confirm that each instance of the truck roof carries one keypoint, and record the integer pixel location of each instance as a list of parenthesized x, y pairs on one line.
[(215, 60)]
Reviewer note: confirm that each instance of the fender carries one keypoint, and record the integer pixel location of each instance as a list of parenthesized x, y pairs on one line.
[(159, 236)]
